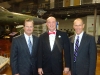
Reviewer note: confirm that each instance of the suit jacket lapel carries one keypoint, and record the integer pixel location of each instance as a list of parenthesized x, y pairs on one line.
[(72, 39), (34, 44), (47, 40), (57, 41), (72, 45), (25, 44), (83, 41)]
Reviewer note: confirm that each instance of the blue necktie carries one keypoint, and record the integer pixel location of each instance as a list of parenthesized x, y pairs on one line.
[(76, 48), (30, 45)]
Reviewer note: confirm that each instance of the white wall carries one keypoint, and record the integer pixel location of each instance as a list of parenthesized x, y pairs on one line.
[(71, 2), (68, 24), (89, 24), (65, 24), (96, 1)]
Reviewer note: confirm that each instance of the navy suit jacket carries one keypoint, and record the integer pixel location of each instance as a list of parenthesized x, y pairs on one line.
[(52, 61), (21, 60), (87, 54)]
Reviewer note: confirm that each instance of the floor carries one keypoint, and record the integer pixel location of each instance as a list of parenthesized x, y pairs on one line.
[(8, 69)]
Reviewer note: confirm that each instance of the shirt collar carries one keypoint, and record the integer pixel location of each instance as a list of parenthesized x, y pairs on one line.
[(52, 31), (27, 35), (80, 35)]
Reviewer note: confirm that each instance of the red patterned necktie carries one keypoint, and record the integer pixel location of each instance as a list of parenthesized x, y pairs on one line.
[(51, 33)]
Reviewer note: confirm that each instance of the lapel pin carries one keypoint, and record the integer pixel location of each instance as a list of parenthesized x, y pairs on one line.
[(59, 36)]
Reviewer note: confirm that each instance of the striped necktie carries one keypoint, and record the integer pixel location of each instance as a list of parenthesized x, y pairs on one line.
[(30, 45), (76, 48)]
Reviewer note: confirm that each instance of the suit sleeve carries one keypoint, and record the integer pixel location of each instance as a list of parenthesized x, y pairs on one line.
[(40, 52), (93, 56), (14, 56), (67, 56)]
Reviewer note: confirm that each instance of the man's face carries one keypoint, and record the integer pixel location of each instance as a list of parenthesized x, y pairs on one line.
[(28, 28), (51, 24), (78, 26)]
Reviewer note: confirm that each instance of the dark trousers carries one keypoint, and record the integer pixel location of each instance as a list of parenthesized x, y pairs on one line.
[(33, 71), (74, 72), (52, 74)]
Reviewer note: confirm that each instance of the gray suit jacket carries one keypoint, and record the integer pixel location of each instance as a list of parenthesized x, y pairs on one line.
[(87, 54), (21, 60)]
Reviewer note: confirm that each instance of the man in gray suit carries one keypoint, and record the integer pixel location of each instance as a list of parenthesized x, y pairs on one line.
[(24, 51), (83, 51)]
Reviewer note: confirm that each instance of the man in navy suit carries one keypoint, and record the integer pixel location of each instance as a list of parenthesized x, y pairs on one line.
[(24, 52), (53, 44), (83, 51)]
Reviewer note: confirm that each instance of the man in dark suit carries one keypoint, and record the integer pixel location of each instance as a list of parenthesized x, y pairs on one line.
[(24, 52), (83, 51), (52, 44)]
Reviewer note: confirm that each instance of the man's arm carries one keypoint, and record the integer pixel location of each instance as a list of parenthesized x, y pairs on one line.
[(40, 71), (16, 74), (93, 56), (40, 47), (13, 57), (67, 56)]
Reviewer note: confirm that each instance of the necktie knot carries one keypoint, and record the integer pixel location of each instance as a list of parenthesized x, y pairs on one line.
[(77, 37), (51, 33)]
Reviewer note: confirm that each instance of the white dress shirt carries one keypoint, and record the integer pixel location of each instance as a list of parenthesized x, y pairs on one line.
[(52, 39), (27, 38), (80, 37)]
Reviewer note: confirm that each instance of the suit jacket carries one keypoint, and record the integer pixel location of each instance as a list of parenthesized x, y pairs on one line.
[(22, 61), (87, 54), (52, 61)]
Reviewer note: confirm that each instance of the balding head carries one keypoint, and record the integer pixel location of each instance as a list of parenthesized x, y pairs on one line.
[(78, 25), (51, 23), (50, 18), (78, 19)]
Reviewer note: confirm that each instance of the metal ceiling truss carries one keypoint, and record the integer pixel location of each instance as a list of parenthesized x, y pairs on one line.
[(73, 11)]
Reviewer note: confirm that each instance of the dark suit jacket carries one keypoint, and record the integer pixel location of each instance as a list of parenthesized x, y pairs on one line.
[(52, 61), (22, 61), (87, 54)]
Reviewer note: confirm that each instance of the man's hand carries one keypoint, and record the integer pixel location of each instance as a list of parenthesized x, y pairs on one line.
[(16, 74), (69, 73), (40, 71), (66, 71)]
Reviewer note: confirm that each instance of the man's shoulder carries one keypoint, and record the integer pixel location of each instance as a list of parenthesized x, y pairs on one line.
[(16, 38), (88, 35), (19, 36), (61, 32), (36, 37), (43, 34)]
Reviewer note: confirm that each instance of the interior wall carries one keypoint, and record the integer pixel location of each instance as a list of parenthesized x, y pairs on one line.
[(65, 24), (90, 24), (68, 24), (88, 21), (77, 2)]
